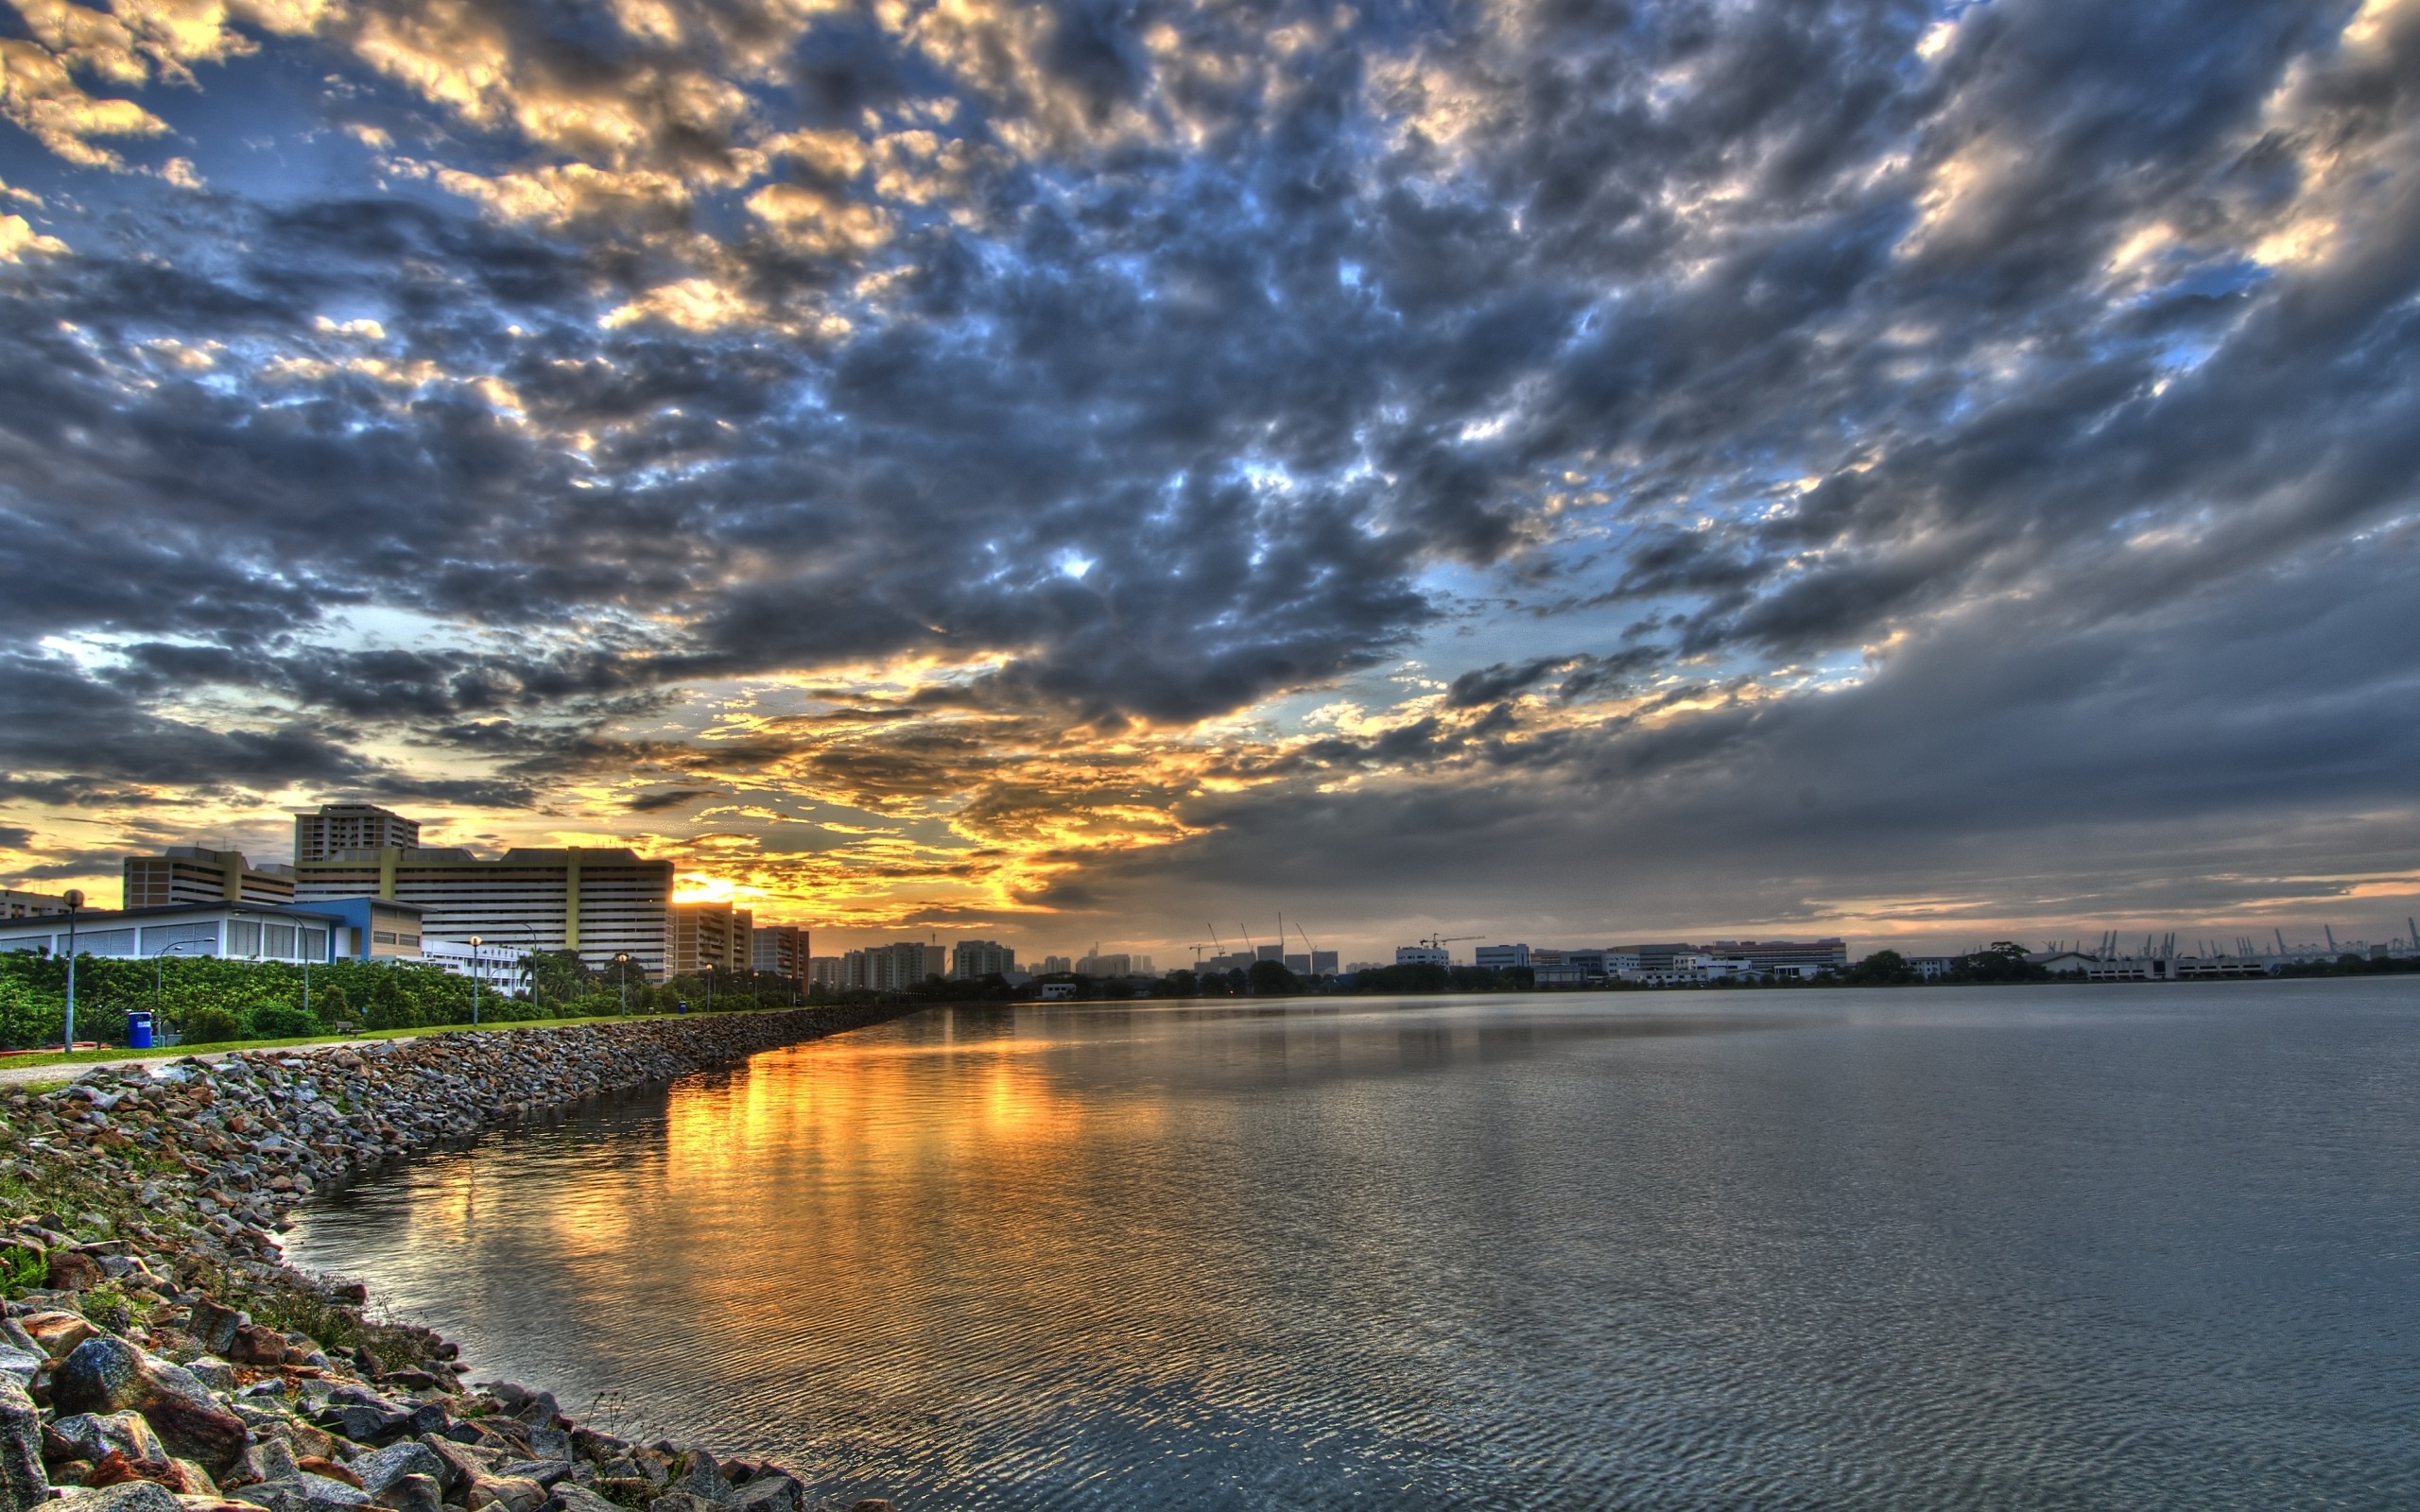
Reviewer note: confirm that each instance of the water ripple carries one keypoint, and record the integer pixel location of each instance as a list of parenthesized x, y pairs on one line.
[(2038, 1249)]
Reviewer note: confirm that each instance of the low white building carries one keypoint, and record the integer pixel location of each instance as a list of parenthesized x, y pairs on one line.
[(1422, 955), (237, 931), (502, 968)]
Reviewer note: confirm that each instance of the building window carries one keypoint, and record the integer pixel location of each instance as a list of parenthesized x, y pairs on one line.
[(243, 937), (410, 942), (107, 942), (277, 941), (314, 944), (382, 937), (183, 939)]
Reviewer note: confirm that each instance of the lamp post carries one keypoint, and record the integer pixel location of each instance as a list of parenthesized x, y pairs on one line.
[(74, 898), (709, 974), (474, 981), (158, 1009), (622, 961)]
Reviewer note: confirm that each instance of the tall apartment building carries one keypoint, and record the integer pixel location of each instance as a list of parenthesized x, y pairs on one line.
[(337, 828), (826, 971), (971, 960), (189, 874), (708, 934), (15, 905), (779, 949), (893, 968), (600, 902), (1056, 966)]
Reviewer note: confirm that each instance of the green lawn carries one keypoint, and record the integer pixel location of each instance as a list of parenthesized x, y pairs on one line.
[(87, 1058)]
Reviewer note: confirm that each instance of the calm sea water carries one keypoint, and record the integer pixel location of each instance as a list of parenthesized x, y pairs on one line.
[(2150, 1247)]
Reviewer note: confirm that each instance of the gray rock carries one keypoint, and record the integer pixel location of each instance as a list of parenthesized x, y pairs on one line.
[(382, 1467), (125, 1432), (107, 1374), (21, 1483), (463, 1463), (271, 1459), (772, 1491), (681, 1502), (706, 1480), (213, 1372), (300, 1493), (126, 1496), (510, 1492), (412, 1493), (574, 1498), (215, 1326), (544, 1471), (363, 1425)]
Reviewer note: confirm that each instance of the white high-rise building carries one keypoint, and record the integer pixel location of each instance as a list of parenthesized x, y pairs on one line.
[(600, 902)]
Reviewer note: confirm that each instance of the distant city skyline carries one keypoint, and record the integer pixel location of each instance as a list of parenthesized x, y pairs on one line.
[(1922, 472)]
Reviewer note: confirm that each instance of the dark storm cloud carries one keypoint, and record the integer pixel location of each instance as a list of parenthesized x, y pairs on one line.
[(2024, 766), (1160, 377)]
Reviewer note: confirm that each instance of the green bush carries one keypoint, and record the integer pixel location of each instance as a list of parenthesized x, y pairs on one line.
[(390, 1007), (210, 1026), (280, 1020), (330, 1004)]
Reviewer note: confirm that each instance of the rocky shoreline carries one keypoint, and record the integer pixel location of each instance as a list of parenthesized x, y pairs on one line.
[(158, 1355)]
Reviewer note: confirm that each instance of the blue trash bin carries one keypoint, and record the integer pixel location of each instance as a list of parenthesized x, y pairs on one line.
[(138, 1030)]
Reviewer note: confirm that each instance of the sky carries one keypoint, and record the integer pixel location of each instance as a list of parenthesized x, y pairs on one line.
[(1113, 471)]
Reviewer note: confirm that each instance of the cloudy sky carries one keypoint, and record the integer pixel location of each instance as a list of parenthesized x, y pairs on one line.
[(1557, 469)]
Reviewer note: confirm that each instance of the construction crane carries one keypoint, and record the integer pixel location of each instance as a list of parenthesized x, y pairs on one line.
[(1439, 942)]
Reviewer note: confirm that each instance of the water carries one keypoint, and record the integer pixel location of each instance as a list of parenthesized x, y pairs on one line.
[(2152, 1246)]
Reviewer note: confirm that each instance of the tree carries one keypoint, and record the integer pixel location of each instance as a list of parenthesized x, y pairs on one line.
[(391, 1007), (1882, 968), (211, 1026), (1270, 979), (2004, 962)]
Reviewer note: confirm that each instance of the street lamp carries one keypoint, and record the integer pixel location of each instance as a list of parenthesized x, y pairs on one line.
[(474, 981), (74, 898), (709, 974), (623, 961), (158, 1009)]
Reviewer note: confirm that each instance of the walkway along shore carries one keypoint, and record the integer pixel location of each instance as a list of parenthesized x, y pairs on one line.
[(158, 1355)]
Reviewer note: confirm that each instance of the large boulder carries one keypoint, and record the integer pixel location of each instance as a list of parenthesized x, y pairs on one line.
[(105, 1374), (23, 1486)]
